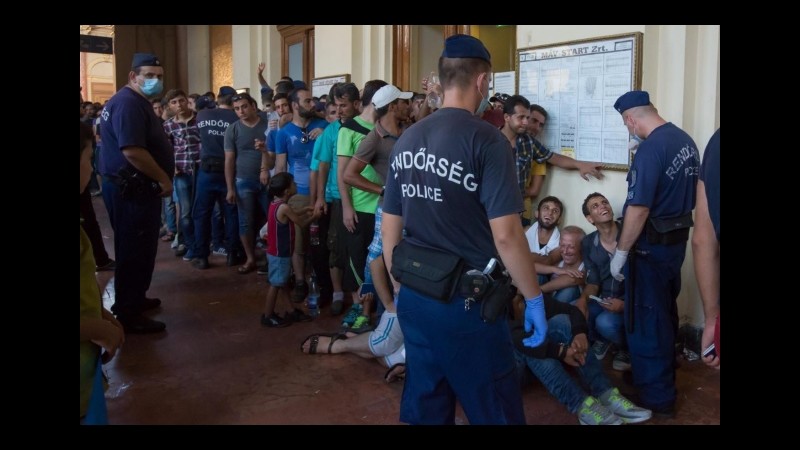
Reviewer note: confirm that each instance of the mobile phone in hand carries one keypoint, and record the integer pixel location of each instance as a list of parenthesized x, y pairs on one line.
[(711, 350), (602, 301), (367, 288)]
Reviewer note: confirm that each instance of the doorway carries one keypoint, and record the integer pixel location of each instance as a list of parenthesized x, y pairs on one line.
[(417, 49)]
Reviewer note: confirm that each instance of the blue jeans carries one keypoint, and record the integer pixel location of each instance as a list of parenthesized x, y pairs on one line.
[(452, 354), (135, 224), (184, 188), (251, 198), (211, 192), (169, 213), (652, 295), (606, 325), (553, 374), (217, 225), (567, 295)]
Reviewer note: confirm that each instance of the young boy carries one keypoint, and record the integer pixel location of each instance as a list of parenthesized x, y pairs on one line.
[(280, 247), (100, 331)]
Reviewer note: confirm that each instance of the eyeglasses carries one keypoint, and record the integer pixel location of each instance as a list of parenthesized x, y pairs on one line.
[(304, 138), (236, 98)]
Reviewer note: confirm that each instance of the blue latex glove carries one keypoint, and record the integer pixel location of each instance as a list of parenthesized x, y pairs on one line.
[(535, 320)]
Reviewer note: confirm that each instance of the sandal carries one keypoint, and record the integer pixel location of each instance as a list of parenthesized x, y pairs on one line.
[(395, 373), (314, 338), (168, 237), (247, 268)]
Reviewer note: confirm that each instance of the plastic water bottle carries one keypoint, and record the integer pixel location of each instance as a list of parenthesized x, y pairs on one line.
[(313, 297), (313, 231), (434, 101)]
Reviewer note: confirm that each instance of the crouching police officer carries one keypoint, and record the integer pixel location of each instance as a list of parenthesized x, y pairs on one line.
[(657, 216), (446, 168)]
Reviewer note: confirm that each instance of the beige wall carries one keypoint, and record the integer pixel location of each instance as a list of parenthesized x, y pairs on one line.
[(198, 46), (681, 71), (363, 51), (333, 54)]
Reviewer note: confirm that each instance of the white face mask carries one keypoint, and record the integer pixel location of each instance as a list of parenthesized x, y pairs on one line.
[(484, 103)]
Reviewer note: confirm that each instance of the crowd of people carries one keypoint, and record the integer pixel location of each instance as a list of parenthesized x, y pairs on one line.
[(363, 194)]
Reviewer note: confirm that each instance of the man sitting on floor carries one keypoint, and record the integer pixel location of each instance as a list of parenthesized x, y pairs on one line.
[(385, 343)]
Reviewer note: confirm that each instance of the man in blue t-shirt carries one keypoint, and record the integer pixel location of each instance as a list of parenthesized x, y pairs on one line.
[(443, 169), (294, 145), (705, 247), (656, 218), (137, 167)]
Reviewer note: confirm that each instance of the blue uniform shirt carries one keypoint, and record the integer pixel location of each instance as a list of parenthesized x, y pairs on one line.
[(709, 173), (448, 176), (129, 121), (212, 124), (664, 173)]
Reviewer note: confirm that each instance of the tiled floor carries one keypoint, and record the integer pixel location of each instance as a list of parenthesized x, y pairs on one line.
[(216, 364)]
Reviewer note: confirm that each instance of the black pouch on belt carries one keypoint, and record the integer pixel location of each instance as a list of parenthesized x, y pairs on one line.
[(668, 230), (429, 271)]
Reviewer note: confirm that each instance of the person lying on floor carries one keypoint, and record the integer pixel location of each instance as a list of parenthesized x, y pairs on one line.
[(385, 343), (567, 343)]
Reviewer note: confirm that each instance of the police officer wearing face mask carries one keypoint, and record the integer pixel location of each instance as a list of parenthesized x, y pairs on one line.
[(137, 167), (657, 216), (452, 186)]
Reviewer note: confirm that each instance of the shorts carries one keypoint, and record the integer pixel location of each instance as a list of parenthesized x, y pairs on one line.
[(336, 235), (376, 246), (298, 202), (280, 268), (387, 337)]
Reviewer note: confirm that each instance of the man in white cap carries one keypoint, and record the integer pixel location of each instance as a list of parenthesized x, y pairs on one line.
[(391, 108)]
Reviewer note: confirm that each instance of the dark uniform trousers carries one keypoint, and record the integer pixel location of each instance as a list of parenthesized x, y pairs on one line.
[(452, 354), (656, 283), (135, 224)]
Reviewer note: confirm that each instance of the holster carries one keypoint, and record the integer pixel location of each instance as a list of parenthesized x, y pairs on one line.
[(212, 165), (497, 299), (668, 230), (431, 272), (134, 185)]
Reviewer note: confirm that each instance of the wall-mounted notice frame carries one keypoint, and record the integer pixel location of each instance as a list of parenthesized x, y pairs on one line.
[(577, 84), (322, 86), (503, 82)]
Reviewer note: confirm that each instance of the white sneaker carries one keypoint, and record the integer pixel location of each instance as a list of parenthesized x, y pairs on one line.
[(624, 408), (622, 361), (592, 412)]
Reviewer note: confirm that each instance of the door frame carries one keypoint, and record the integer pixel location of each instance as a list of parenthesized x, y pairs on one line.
[(294, 34), (401, 51)]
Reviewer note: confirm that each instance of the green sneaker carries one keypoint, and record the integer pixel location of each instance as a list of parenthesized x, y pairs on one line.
[(592, 412), (361, 325), (352, 315), (624, 408)]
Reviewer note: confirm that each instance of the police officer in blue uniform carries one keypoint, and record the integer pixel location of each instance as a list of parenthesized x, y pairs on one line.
[(657, 215), (452, 187), (137, 165)]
